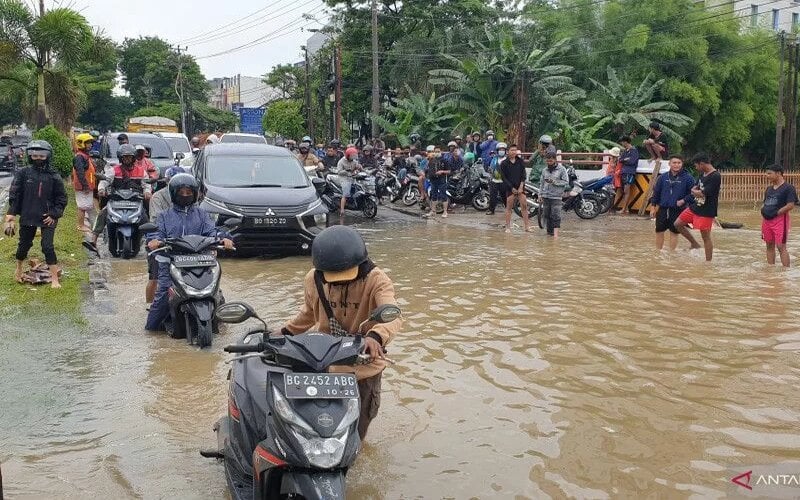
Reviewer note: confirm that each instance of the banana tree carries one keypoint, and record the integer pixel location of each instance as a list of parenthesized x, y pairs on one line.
[(417, 113), (49, 45), (629, 108)]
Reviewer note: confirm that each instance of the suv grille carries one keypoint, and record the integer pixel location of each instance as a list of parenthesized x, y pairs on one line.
[(261, 210)]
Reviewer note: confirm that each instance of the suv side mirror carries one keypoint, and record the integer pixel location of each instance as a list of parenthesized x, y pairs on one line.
[(180, 156), (319, 184)]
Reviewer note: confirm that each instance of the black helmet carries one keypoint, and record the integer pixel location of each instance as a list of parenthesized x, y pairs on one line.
[(39, 145), (182, 181), (125, 150), (122, 137), (304, 146), (414, 137), (338, 251)]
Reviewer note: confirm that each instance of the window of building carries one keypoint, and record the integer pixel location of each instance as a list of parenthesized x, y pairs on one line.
[(775, 19), (795, 19), (753, 15)]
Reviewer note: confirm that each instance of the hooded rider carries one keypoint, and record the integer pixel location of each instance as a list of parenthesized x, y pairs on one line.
[(38, 197), (341, 291), (182, 219)]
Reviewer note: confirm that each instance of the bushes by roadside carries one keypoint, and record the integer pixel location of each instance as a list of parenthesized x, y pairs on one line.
[(62, 150)]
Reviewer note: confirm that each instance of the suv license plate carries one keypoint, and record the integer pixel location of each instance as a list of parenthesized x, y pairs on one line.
[(320, 385), (269, 221)]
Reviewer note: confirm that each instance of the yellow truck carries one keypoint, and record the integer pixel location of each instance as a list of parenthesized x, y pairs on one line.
[(146, 124)]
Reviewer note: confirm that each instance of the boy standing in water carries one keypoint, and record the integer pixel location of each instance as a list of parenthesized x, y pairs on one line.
[(779, 200), (702, 212)]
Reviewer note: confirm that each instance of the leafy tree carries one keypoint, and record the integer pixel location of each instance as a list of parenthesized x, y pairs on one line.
[(629, 108), (287, 78), (284, 118), (165, 109), (150, 69), (62, 151), (48, 46), (207, 118)]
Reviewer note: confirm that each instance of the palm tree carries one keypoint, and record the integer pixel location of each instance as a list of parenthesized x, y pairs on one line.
[(629, 109), (48, 45), (582, 134)]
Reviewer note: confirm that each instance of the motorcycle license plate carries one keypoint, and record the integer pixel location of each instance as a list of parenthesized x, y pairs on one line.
[(126, 205), (269, 221), (320, 385), (193, 260)]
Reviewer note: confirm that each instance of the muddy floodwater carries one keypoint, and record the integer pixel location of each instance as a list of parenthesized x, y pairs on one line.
[(589, 367)]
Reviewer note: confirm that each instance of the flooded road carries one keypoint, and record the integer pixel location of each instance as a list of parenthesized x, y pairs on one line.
[(588, 367)]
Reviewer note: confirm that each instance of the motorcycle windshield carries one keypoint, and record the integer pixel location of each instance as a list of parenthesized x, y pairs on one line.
[(317, 351)]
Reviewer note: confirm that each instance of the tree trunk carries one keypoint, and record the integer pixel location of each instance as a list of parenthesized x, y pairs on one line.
[(41, 104), (519, 126)]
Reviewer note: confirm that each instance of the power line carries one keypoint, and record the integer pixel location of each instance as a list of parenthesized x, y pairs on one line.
[(215, 30)]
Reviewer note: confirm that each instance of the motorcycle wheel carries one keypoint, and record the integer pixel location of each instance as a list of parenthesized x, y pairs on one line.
[(533, 210), (587, 208), (370, 209), (127, 248), (605, 199), (198, 331), (540, 218), (411, 196), (481, 201)]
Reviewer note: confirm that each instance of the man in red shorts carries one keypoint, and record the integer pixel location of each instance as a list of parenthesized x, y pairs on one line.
[(779, 200), (702, 212)]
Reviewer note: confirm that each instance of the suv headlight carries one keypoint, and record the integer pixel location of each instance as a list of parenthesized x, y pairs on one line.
[(321, 452), (320, 219)]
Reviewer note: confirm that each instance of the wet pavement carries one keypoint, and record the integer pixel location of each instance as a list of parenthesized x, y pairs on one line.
[(588, 367)]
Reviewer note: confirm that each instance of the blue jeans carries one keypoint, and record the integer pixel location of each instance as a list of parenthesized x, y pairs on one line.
[(439, 189), (159, 309)]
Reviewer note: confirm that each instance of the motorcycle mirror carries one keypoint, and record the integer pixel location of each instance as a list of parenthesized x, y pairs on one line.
[(162, 259), (232, 222), (148, 227), (385, 313), (319, 184), (234, 312)]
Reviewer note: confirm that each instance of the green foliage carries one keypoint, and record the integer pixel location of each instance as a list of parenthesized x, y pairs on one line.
[(284, 118), (62, 150), (150, 69), (287, 78), (428, 116), (165, 109), (582, 135), (211, 119), (632, 108)]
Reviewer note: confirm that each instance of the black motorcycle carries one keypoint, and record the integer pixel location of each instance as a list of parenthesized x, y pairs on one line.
[(125, 212), (195, 292), (292, 427), (586, 203), (468, 188), (359, 199)]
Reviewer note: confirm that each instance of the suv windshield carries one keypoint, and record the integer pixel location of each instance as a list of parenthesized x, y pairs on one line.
[(243, 139), (178, 144), (255, 171), (158, 146)]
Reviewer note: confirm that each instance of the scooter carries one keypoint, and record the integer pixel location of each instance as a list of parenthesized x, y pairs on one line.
[(585, 202), (359, 199), (195, 292), (125, 212), (291, 430), (468, 189)]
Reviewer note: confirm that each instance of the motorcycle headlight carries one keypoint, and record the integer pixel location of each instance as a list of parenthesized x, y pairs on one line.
[(214, 216), (320, 452), (320, 219), (350, 416)]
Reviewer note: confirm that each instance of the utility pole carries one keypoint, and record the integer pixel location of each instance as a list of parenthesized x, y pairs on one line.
[(793, 116), (309, 114), (779, 118), (376, 85), (338, 113), (179, 89)]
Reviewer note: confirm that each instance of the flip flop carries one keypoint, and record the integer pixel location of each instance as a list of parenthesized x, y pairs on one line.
[(91, 247)]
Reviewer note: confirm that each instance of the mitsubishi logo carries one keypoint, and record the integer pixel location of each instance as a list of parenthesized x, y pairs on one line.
[(270, 212)]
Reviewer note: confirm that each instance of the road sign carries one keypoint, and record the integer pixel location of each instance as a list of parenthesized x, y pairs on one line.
[(251, 119), (236, 106)]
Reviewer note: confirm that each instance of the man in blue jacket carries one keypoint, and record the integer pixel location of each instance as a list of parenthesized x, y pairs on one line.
[(671, 195), (487, 147), (182, 219)]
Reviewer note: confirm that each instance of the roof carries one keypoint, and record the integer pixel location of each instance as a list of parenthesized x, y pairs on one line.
[(152, 120), (239, 149), (133, 135), (242, 134)]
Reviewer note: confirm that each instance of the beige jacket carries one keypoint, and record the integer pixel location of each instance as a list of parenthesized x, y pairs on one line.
[(351, 303)]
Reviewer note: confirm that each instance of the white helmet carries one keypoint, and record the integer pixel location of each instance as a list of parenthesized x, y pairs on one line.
[(501, 145), (430, 149), (546, 139)]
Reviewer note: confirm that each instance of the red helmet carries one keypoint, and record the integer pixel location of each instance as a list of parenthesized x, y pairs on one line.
[(350, 152)]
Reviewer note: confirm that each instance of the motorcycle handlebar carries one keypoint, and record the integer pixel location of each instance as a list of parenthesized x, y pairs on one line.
[(244, 348)]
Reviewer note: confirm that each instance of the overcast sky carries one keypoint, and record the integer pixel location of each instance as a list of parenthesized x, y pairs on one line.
[(209, 27)]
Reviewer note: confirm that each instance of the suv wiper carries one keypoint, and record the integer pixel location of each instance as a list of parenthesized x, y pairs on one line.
[(263, 185)]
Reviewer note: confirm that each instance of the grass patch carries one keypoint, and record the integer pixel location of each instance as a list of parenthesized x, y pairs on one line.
[(42, 300)]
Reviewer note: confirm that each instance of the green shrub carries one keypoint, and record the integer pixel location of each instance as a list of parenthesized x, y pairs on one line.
[(62, 151)]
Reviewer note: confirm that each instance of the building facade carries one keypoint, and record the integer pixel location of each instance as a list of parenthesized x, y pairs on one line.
[(780, 15), (239, 91)]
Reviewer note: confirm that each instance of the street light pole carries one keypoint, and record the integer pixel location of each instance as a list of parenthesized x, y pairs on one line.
[(376, 86)]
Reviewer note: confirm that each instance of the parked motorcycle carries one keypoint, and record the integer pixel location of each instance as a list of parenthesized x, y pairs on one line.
[(195, 292), (292, 427), (360, 199), (467, 189), (584, 202)]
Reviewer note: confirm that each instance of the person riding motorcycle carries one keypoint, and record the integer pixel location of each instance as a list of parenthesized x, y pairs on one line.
[(38, 197), (95, 149), (307, 158), (125, 175), (538, 159), (340, 292), (368, 160), (195, 145), (345, 170), (182, 219), (145, 162)]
